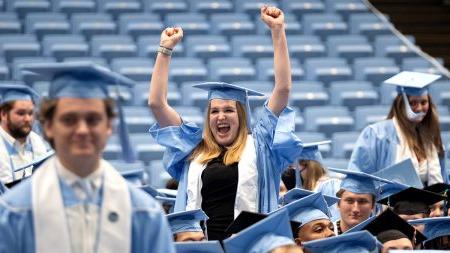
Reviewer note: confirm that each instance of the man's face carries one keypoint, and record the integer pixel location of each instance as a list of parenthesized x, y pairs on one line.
[(355, 208), (407, 217), (317, 229), (79, 128), (189, 236), (18, 122), (400, 244)]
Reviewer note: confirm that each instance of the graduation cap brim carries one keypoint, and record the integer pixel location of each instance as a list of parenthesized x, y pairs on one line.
[(37, 162), (209, 86), (297, 193), (388, 220), (316, 144), (440, 188), (358, 174), (412, 194), (199, 247), (245, 219), (434, 227), (21, 91), (360, 238), (191, 215), (54, 69), (411, 79)]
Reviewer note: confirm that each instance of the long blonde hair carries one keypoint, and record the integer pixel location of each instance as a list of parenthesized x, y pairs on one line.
[(314, 171), (208, 148)]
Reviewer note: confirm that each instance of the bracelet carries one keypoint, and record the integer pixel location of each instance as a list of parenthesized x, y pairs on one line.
[(164, 50)]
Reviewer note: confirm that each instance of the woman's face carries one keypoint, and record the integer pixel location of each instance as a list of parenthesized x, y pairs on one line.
[(419, 104), (224, 121)]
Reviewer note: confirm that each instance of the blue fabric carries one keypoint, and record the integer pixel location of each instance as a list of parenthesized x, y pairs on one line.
[(150, 230), (276, 147), (375, 149), (330, 187)]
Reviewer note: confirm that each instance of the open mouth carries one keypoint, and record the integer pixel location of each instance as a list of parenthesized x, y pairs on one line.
[(223, 129)]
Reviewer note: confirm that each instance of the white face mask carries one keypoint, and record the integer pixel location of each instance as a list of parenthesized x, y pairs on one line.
[(410, 114)]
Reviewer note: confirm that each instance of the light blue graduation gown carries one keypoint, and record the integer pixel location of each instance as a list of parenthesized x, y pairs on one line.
[(376, 147), (276, 147), (150, 230)]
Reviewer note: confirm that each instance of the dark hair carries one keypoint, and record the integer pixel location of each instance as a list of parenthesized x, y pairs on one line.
[(422, 136), (48, 108), (441, 242), (7, 106), (288, 178)]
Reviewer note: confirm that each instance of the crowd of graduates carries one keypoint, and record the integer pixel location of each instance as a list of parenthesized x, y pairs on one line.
[(241, 186)]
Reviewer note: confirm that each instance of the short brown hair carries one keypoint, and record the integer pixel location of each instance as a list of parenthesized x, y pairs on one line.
[(48, 107)]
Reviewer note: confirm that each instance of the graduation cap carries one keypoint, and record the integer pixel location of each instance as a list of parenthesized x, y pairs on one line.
[(13, 92), (85, 80), (311, 151), (307, 209), (411, 201), (245, 219), (263, 236), (434, 227), (359, 182), (389, 189), (187, 221), (440, 188), (134, 175), (297, 193), (412, 83), (389, 226), (226, 91), (360, 242), (163, 198), (199, 247), (403, 173)]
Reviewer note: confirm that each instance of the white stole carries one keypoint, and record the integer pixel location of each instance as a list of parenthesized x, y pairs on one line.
[(247, 189), (50, 222)]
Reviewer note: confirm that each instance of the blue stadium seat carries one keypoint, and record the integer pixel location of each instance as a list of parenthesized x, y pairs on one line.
[(141, 94), (148, 45), (252, 7), (445, 135), (137, 24), (192, 23), (328, 119), (353, 93), (43, 24), (308, 93), (367, 24), (209, 7), (74, 6), (28, 77), (343, 144), (97, 60), (346, 7), (232, 24), (306, 137), (440, 92), (138, 118), (324, 24), (339, 163), (134, 173), (444, 116), (264, 87), (419, 64), (191, 114), (374, 69), (388, 93), (9, 23), (136, 68), (22, 7), (252, 46), (113, 150), (305, 46), (299, 120), (349, 46), (125, 93), (4, 70), (232, 69), (157, 173), (266, 73), (90, 24), (113, 46), (116, 8), (301, 7), (207, 46), (41, 87), (292, 26), (19, 45), (63, 46), (369, 114), (187, 69), (163, 7), (193, 96), (327, 69), (146, 147), (392, 46)]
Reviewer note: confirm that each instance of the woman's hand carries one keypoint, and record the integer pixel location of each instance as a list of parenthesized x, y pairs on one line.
[(171, 36), (273, 17)]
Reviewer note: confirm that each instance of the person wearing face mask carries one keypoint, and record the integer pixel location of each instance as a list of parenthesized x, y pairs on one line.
[(411, 130), (229, 166)]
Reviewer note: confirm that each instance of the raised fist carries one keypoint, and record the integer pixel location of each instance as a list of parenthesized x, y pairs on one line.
[(171, 36), (272, 16)]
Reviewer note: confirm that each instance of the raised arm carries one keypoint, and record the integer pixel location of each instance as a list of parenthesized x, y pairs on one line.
[(274, 19), (164, 114)]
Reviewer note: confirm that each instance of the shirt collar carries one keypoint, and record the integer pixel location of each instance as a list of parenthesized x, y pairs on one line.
[(71, 178), (12, 141)]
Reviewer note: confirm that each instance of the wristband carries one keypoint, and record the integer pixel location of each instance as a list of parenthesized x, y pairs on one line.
[(164, 50)]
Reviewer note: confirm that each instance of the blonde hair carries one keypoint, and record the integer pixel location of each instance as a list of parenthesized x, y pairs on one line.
[(314, 171), (208, 148)]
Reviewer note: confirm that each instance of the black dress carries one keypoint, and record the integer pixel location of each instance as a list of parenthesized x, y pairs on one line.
[(218, 196)]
